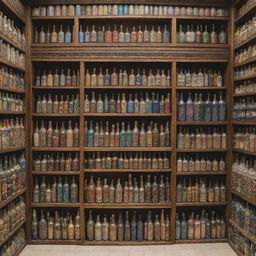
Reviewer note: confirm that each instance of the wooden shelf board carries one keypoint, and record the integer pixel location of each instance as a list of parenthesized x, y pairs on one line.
[(10, 234), (127, 243), (55, 88), (242, 231), (56, 205), (199, 173), (129, 114), (249, 200), (244, 94), (245, 78), (246, 152), (244, 122), (245, 42), (9, 41), (54, 149), (9, 150), (12, 90), (11, 198), (126, 170), (195, 241), (128, 87), (56, 115), (200, 204), (200, 150), (246, 14), (60, 242), (11, 65), (107, 149), (12, 112), (201, 123), (54, 173), (20, 250), (201, 45), (128, 206), (200, 88)]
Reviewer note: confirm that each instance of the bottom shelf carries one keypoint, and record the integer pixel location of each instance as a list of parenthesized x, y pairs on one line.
[(20, 250), (60, 242), (127, 243), (194, 241)]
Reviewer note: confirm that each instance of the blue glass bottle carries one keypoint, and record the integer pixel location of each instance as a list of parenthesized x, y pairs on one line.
[(106, 109), (130, 105), (120, 9), (184, 228), (22, 163), (215, 109), (148, 104), (126, 9), (68, 36), (90, 136), (66, 191), (78, 10), (100, 35), (155, 104), (140, 229), (81, 35), (123, 136), (59, 191), (128, 136)]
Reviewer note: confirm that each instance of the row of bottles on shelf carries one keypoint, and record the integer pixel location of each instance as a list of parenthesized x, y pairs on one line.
[(200, 77), (11, 102), (12, 133), (245, 6), (202, 190), (141, 228), (12, 32), (241, 243), (244, 215), (63, 78), (149, 78), (12, 175), (245, 54), (244, 109), (124, 35), (245, 71), (205, 164), (55, 226), (199, 138), (58, 162), (60, 104), (200, 35), (121, 161), (11, 216), (52, 35), (200, 226), (245, 138), (131, 9), (51, 191), (245, 87), (127, 191), (14, 244), (58, 136), (145, 104), (127, 135), (243, 177), (12, 79), (10, 54), (199, 107), (245, 30)]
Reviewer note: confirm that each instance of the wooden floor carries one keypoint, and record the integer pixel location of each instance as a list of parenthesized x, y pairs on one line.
[(219, 249)]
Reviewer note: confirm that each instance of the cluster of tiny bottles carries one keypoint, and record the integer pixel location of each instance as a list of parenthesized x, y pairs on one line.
[(131, 9), (131, 160), (200, 226), (11, 102), (127, 135), (129, 227), (248, 86), (245, 138), (245, 71), (128, 191), (124, 78), (245, 54), (51, 191), (55, 225), (200, 190), (134, 104), (244, 109)]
